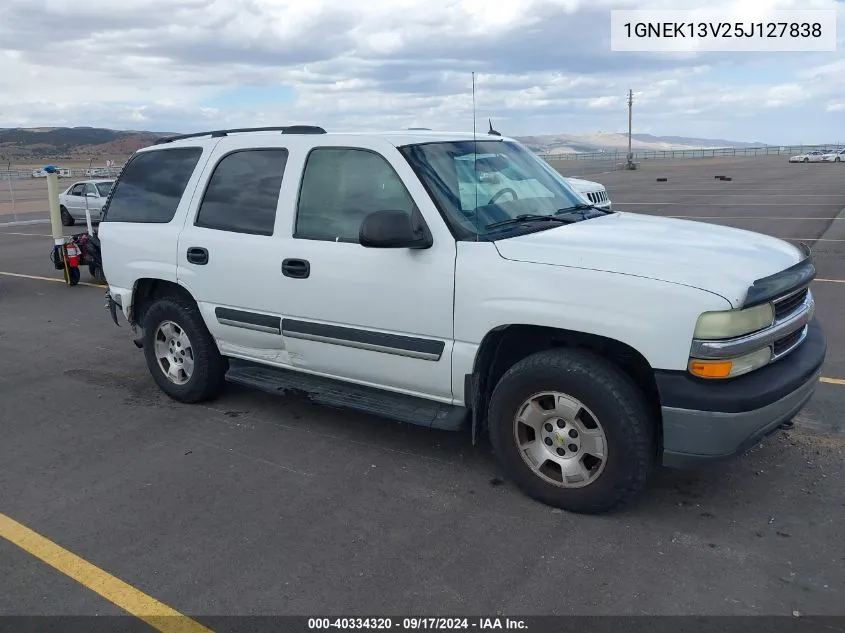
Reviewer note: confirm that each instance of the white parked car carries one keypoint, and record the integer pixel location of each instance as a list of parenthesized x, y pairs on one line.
[(586, 344), (834, 156), (594, 192), (810, 157), (486, 176), (90, 194)]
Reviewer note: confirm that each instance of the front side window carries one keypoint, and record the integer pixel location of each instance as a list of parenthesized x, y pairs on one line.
[(152, 185), (493, 189), (243, 192), (340, 187), (77, 190)]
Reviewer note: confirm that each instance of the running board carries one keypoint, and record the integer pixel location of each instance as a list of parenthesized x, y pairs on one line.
[(336, 393)]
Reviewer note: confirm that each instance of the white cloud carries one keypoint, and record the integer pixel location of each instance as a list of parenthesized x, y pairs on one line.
[(542, 66)]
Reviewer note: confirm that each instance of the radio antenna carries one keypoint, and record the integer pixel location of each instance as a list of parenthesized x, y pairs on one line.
[(474, 159)]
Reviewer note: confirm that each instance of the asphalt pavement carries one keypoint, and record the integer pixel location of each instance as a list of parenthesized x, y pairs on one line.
[(257, 504)]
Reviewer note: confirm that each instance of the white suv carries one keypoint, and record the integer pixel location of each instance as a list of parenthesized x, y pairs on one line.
[(360, 269)]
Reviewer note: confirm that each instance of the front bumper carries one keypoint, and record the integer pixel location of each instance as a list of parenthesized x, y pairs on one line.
[(705, 420)]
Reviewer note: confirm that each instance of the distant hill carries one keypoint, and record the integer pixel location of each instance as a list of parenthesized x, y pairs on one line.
[(20, 145), (697, 142), (35, 145)]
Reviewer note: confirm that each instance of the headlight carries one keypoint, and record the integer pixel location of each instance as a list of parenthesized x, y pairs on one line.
[(733, 323), (730, 368)]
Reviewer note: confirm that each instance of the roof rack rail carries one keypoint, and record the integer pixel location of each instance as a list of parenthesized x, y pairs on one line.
[(290, 129)]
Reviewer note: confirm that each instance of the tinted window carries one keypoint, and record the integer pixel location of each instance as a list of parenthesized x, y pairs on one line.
[(152, 185), (104, 188), (340, 187), (77, 190), (90, 188), (243, 192)]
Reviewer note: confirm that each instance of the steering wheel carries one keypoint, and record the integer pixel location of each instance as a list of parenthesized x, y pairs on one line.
[(501, 192)]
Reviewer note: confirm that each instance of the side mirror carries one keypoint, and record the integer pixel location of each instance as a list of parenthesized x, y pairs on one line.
[(394, 229)]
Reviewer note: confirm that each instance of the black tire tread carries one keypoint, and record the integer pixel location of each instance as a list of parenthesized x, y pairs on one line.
[(67, 218), (209, 366), (639, 437)]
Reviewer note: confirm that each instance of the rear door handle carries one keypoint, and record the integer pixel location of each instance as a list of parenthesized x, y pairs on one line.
[(296, 268), (197, 255)]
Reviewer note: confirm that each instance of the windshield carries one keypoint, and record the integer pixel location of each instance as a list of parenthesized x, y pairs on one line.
[(103, 188), (483, 194)]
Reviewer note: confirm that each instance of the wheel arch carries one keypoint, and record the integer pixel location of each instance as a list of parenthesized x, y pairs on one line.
[(145, 291), (506, 345)]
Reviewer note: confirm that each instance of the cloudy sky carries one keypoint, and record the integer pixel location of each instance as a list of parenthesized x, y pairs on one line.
[(543, 66)]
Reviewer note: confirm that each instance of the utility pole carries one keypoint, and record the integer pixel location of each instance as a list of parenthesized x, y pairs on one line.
[(630, 110)]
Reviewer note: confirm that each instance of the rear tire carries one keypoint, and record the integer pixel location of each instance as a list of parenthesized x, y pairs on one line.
[(588, 419), (67, 218), (97, 273), (181, 354)]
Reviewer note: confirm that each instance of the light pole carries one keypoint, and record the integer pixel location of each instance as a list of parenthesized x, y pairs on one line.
[(630, 119)]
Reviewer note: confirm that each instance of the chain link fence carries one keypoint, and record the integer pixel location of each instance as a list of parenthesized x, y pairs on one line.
[(23, 189), (784, 150)]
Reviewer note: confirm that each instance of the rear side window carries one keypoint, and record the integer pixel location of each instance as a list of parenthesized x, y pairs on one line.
[(243, 192), (152, 185)]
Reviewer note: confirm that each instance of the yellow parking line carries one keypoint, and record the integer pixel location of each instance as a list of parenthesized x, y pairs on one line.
[(27, 234), (832, 281), (125, 596), (61, 281), (832, 381)]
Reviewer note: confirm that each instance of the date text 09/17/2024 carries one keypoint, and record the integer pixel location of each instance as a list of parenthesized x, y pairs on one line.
[(418, 623)]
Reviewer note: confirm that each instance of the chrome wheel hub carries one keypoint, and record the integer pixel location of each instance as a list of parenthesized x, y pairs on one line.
[(174, 352), (560, 439)]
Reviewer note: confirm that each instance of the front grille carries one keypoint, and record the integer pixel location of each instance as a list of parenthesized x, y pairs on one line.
[(597, 196), (785, 307), (782, 345)]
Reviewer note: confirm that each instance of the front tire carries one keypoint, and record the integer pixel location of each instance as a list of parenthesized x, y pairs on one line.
[(181, 353), (572, 431)]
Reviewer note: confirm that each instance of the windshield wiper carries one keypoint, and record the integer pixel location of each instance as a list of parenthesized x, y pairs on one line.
[(581, 207), (528, 217)]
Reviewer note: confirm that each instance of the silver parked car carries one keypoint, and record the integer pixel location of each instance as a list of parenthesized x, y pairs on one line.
[(834, 156), (90, 194), (810, 157)]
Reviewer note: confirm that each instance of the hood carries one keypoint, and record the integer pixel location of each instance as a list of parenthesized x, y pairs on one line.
[(718, 259), (584, 185)]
